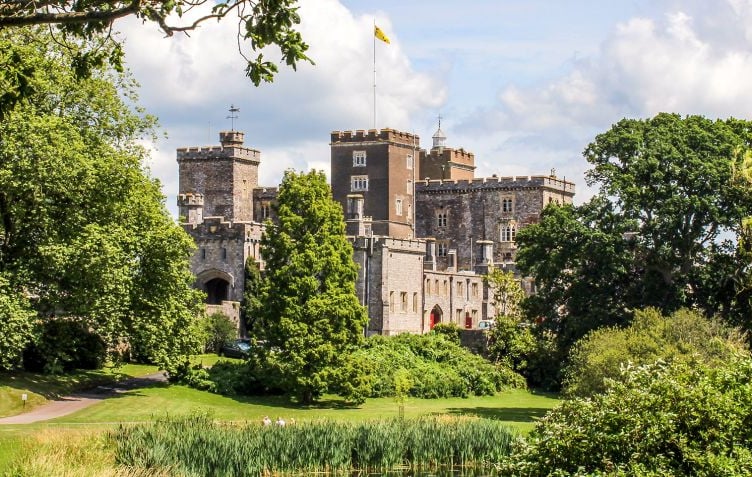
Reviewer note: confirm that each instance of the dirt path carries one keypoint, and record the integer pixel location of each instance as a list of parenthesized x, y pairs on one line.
[(70, 404)]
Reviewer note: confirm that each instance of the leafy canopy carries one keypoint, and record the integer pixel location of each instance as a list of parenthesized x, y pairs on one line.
[(652, 236), (86, 27), (308, 311), (83, 227)]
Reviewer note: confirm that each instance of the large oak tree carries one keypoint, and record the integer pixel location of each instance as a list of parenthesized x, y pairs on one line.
[(84, 233)]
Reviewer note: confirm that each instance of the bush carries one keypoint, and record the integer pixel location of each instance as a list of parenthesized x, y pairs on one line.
[(449, 330), (436, 367), (511, 342), (64, 345), (684, 336), (216, 330), (659, 419)]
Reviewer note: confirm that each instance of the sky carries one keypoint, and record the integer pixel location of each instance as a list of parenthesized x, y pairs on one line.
[(523, 84)]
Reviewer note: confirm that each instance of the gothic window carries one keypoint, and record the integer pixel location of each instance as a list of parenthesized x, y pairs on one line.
[(441, 249), (359, 158), (265, 210), (459, 289), (359, 183), (507, 204), (391, 301), (409, 187), (403, 300), (475, 290), (398, 206), (508, 233), (436, 288), (441, 219), (409, 161), (428, 286), (415, 302)]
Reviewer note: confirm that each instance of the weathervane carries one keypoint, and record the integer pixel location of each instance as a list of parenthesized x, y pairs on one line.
[(233, 116), (439, 120)]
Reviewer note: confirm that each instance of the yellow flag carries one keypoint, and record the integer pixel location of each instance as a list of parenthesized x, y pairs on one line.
[(380, 34)]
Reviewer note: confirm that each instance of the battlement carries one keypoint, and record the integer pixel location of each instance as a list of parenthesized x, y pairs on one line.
[(495, 182), (190, 199), (218, 152), (416, 246), (374, 135)]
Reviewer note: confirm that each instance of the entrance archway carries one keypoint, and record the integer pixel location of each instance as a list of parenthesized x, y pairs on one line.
[(217, 291), (435, 316)]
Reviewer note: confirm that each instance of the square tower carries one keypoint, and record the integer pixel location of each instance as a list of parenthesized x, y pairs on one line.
[(224, 176), (380, 166)]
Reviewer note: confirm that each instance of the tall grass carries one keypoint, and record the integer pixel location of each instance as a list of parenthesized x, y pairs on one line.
[(197, 445)]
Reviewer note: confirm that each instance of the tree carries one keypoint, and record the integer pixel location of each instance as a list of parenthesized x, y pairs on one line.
[(652, 236), (310, 311), (217, 330), (87, 26), (16, 325), (251, 305), (507, 292), (83, 228)]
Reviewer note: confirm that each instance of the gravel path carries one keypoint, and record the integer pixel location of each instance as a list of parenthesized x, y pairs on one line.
[(70, 404)]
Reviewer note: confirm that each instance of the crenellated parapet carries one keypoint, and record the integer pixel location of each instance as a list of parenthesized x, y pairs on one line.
[(190, 199), (495, 182), (375, 135), (218, 152)]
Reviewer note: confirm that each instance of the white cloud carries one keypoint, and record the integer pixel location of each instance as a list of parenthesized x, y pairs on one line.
[(189, 82)]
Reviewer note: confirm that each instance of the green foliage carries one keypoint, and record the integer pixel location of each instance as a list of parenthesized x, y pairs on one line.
[(510, 343), (449, 330), (435, 368), (507, 292), (83, 227), (85, 28), (653, 234), (251, 304), (311, 315), (63, 346), (217, 329), (16, 325), (677, 420), (684, 335), (253, 449)]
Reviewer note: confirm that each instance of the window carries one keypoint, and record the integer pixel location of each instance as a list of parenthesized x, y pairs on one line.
[(436, 289), (474, 315), (409, 161), (203, 254), (428, 286), (358, 183), (409, 187), (446, 288), (403, 301), (441, 249), (508, 233), (264, 210), (398, 206), (441, 219), (459, 315), (224, 253), (507, 204), (460, 289), (415, 302), (475, 290), (359, 158), (391, 301), (409, 211)]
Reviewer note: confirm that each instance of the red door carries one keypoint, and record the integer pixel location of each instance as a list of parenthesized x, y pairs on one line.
[(432, 320), (468, 321)]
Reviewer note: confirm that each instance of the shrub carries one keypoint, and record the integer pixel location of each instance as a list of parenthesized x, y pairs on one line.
[(659, 419), (16, 325), (449, 330), (683, 336), (216, 330), (436, 367)]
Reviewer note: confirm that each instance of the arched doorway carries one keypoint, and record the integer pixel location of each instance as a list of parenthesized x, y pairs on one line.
[(217, 290), (435, 317)]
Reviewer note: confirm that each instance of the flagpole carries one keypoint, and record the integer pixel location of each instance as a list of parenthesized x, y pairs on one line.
[(374, 73)]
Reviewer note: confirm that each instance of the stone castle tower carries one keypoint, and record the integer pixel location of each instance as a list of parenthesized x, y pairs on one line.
[(216, 206)]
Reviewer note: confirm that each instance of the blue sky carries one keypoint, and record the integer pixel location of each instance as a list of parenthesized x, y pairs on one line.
[(525, 85)]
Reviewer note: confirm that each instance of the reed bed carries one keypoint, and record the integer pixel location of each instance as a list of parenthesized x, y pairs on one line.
[(199, 446)]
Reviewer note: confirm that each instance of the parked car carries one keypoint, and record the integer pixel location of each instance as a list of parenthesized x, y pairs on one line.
[(486, 324), (238, 348)]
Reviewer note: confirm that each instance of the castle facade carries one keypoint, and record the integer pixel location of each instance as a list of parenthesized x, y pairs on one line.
[(424, 229)]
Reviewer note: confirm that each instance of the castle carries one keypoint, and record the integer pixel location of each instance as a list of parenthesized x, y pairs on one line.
[(424, 229)]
